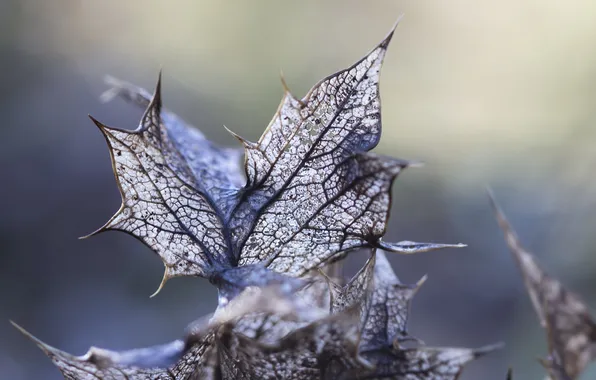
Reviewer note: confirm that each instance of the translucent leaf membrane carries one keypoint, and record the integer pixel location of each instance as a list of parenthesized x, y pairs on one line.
[(388, 311), (312, 192)]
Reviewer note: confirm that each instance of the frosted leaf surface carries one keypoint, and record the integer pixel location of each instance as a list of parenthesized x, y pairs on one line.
[(163, 204), (218, 167), (305, 156), (313, 192), (310, 193)]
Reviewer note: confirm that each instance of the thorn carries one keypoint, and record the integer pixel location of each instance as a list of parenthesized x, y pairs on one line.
[(98, 123), (287, 91), (284, 84), (385, 43), (499, 214), (511, 238), (106, 226), (245, 142), (419, 284), (493, 202), (44, 347), (153, 110), (21, 329), (156, 101), (166, 277), (491, 196), (96, 232)]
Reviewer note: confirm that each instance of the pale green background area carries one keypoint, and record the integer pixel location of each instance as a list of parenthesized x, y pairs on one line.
[(486, 93)]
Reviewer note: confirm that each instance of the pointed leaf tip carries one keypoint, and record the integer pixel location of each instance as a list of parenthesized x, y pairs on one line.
[(21, 329), (96, 232), (43, 346), (385, 43), (243, 141), (287, 91), (411, 247), (419, 283), (103, 228), (158, 84), (284, 84), (166, 277), (511, 236), (97, 123), (156, 101), (493, 201)]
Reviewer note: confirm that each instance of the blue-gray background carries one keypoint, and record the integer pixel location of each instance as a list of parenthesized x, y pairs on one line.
[(498, 93)]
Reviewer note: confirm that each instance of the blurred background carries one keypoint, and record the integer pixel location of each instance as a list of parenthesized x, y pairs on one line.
[(486, 93)]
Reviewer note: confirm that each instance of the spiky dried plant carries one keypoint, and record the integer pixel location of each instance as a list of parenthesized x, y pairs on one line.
[(269, 233)]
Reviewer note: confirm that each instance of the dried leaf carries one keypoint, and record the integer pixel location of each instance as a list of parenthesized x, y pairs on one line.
[(309, 192), (271, 327), (355, 292), (570, 327), (312, 192), (554, 362), (163, 204), (384, 303), (182, 358), (422, 363), (212, 366), (389, 308), (140, 364), (219, 168), (306, 353)]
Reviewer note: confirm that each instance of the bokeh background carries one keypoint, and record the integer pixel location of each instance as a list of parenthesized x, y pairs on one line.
[(486, 93)]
